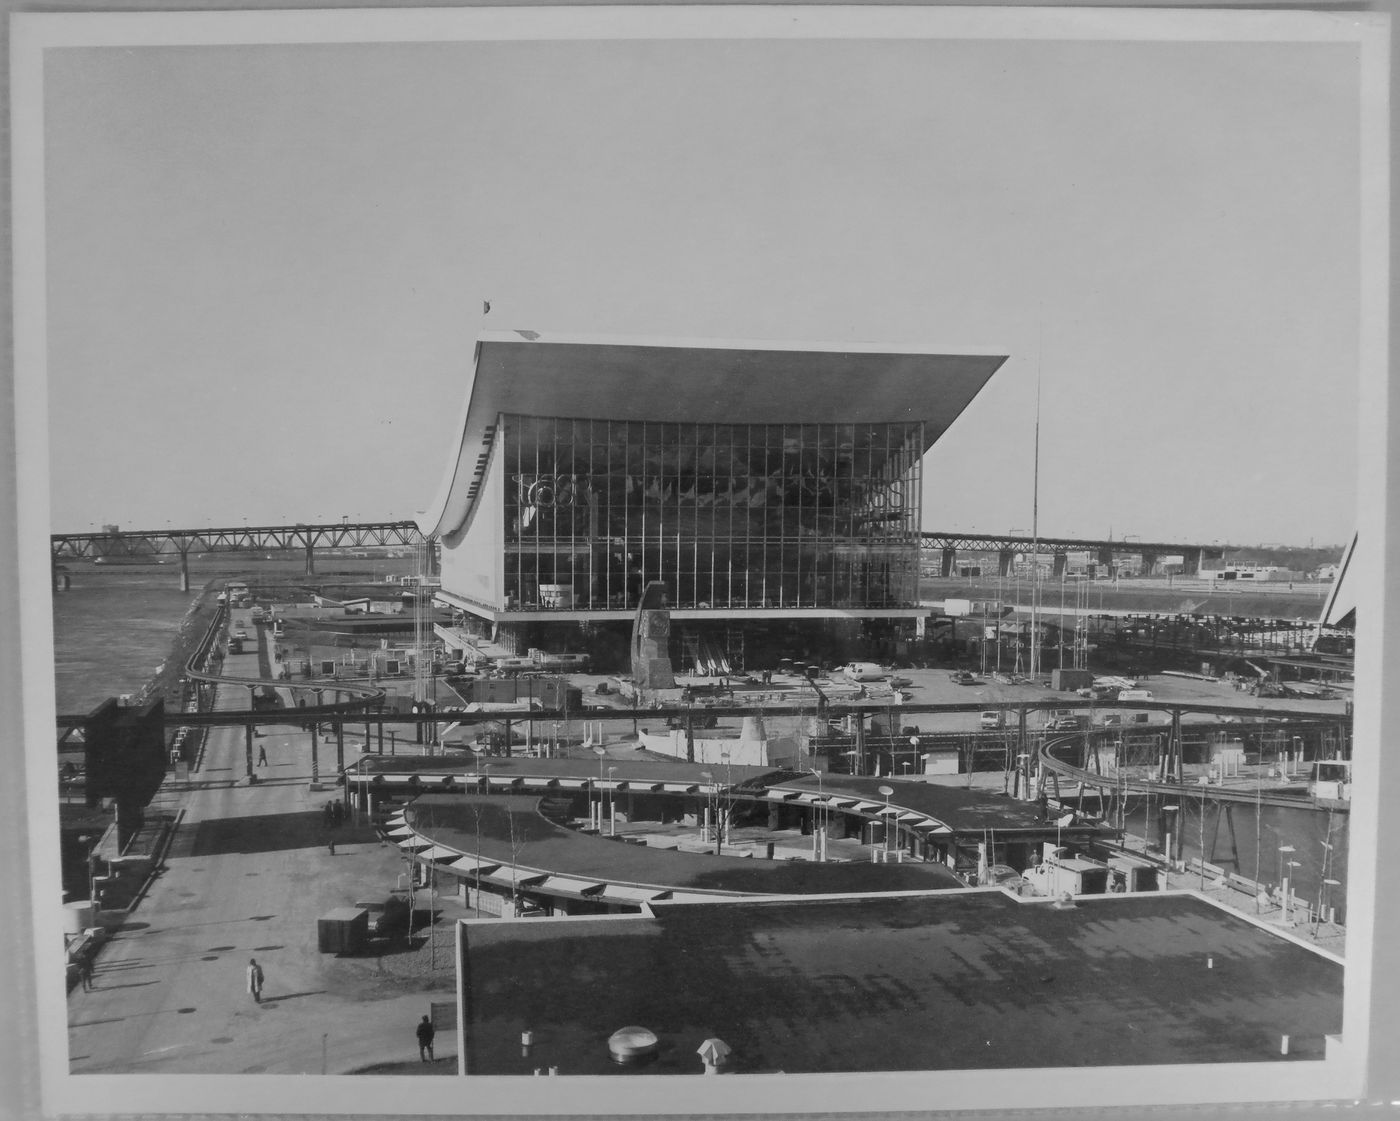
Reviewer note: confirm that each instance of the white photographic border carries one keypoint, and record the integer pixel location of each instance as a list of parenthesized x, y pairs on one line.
[(1345, 1076)]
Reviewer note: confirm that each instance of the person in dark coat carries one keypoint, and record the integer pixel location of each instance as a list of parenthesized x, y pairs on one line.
[(426, 1031), (255, 980), (85, 972)]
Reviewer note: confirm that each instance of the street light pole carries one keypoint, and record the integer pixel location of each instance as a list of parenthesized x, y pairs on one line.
[(728, 786), (486, 786), (886, 791), (820, 813), (712, 806), (1283, 891), (1291, 865), (598, 751)]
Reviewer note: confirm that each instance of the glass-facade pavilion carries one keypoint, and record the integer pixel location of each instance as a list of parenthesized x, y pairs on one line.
[(753, 480), (726, 515)]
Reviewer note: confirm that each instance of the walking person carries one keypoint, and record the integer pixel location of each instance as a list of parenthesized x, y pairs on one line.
[(262, 755), (255, 980), (426, 1031), (85, 972)]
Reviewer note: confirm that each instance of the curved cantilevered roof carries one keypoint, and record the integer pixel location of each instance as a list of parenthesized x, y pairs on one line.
[(696, 381), (509, 831)]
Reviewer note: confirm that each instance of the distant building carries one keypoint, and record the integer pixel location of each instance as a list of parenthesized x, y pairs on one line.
[(1258, 573), (756, 481)]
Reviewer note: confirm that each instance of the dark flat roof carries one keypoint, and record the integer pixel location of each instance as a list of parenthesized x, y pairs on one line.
[(949, 981), (511, 827)]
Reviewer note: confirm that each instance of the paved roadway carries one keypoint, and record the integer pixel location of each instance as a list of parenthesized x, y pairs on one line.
[(247, 875)]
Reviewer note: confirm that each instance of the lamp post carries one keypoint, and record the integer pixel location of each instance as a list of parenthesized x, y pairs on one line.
[(1201, 852), (711, 806), (819, 815), (612, 804), (885, 819), (556, 739), (1288, 890), (598, 751), (486, 787), (1323, 906), (1283, 852), (1322, 887), (1173, 837), (724, 804)]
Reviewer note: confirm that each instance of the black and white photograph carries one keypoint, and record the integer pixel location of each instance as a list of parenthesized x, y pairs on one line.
[(639, 560)]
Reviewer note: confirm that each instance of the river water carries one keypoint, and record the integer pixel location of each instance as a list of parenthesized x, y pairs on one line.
[(115, 625)]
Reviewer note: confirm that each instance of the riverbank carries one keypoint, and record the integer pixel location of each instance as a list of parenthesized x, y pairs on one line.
[(168, 682)]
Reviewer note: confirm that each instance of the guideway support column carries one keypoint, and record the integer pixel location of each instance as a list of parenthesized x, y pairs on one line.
[(184, 570), (310, 559), (950, 556)]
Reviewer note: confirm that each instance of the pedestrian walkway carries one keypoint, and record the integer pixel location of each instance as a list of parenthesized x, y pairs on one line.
[(248, 873)]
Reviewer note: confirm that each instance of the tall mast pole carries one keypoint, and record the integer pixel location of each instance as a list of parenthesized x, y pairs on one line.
[(1035, 522)]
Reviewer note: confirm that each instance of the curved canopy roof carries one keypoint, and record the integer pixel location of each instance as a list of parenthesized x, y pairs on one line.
[(696, 381)]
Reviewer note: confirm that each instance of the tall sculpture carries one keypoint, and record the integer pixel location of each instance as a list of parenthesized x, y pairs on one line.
[(651, 633)]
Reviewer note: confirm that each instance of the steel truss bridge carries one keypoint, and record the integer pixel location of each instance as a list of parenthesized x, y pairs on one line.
[(938, 548), (150, 545)]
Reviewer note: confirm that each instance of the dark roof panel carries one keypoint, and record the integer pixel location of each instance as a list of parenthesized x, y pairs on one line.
[(946, 981)]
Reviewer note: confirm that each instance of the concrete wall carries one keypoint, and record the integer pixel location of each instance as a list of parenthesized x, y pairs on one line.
[(773, 752)]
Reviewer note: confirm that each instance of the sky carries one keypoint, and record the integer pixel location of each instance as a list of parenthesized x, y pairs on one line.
[(267, 264)]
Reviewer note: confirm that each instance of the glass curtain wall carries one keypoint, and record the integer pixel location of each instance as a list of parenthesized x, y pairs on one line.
[(726, 515)]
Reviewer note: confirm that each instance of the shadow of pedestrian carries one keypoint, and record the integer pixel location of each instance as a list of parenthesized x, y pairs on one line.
[(291, 996)]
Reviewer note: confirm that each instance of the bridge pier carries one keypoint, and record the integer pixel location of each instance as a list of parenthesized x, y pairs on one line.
[(1004, 557), (949, 559), (1057, 566), (310, 559), (184, 570)]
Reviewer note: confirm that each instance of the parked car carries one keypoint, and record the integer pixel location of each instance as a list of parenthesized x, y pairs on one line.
[(992, 718), (1063, 724), (962, 677)]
